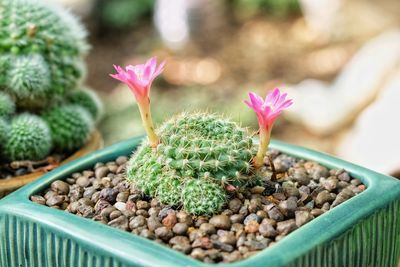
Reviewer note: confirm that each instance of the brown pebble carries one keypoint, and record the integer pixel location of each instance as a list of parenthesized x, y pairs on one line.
[(55, 200), (101, 172), (231, 257), (275, 214), (208, 228), (181, 243), (202, 242), (228, 238), (316, 212), (221, 222), (285, 227), (257, 190), (120, 222), (121, 160), (82, 181), (153, 223), (322, 197), (137, 221), (252, 227), (38, 199), (164, 233), (170, 220), (184, 217), (142, 205), (146, 233), (115, 214), (180, 228), (60, 187), (303, 217), (237, 218), (122, 196), (198, 254), (267, 230)]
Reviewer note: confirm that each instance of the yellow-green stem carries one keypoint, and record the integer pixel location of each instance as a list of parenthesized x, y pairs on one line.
[(145, 113), (265, 136)]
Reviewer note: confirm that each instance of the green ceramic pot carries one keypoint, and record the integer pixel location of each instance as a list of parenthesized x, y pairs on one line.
[(363, 231)]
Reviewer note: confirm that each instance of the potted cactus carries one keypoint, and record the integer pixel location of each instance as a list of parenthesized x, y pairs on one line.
[(200, 185), (46, 114)]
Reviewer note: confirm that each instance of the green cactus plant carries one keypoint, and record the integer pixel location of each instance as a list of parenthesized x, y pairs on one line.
[(4, 128), (87, 99), (29, 138), (196, 150), (70, 126), (7, 105), (42, 49)]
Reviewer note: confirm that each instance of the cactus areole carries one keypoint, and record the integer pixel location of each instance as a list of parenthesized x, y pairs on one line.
[(195, 160)]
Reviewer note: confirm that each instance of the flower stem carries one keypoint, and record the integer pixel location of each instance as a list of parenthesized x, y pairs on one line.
[(145, 113), (265, 136)]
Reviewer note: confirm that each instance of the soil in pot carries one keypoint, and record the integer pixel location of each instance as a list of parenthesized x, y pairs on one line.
[(251, 221)]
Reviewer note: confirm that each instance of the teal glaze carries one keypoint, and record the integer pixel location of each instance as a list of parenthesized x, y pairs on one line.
[(363, 231)]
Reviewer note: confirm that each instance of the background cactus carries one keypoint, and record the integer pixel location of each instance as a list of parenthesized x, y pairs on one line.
[(41, 70), (4, 127), (7, 105), (70, 126), (29, 138), (42, 49), (197, 156), (87, 99)]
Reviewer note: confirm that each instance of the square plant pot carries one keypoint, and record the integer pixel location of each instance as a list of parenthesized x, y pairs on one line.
[(363, 231)]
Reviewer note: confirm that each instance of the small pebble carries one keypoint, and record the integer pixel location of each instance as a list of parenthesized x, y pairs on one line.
[(252, 227), (38, 199), (83, 181), (180, 228), (221, 222), (235, 205), (101, 172), (208, 228), (267, 230), (120, 222), (303, 217), (60, 187), (286, 227), (164, 233)]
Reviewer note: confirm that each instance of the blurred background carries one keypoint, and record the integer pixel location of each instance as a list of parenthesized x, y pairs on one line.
[(338, 59)]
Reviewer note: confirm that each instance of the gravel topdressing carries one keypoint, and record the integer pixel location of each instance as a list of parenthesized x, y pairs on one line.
[(252, 220)]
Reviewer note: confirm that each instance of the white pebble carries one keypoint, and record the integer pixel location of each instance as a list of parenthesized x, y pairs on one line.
[(120, 206)]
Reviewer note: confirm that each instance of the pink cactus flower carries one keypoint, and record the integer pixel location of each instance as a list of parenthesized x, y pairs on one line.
[(267, 112), (139, 79)]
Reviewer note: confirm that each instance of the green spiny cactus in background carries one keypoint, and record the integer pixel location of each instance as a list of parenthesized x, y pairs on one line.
[(29, 138), (28, 78), (87, 99), (197, 149), (42, 48), (4, 128), (7, 105), (70, 126)]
